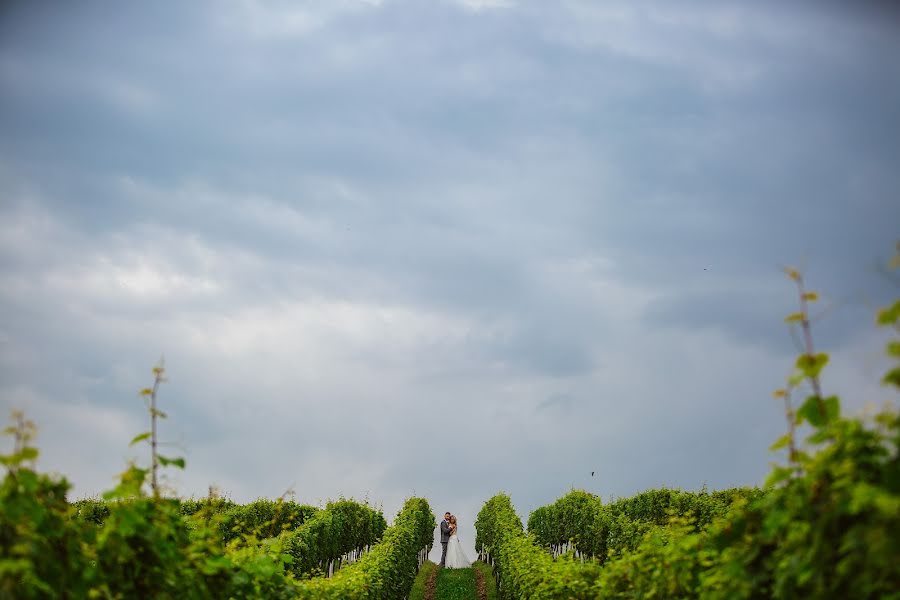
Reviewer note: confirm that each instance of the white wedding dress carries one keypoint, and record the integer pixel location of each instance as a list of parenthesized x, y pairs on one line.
[(456, 558)]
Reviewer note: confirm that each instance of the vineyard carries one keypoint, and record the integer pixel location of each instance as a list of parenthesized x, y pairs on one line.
[(827, 525)]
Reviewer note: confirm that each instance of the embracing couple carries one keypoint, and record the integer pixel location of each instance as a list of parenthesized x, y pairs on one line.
[(452, 555)]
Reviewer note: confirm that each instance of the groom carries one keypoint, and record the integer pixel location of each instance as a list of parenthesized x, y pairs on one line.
[(445, 537)]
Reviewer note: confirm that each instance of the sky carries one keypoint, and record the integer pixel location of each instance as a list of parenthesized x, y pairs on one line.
[(442, 248)]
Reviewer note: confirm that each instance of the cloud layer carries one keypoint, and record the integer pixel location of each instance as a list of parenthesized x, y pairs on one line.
[(441, 248)]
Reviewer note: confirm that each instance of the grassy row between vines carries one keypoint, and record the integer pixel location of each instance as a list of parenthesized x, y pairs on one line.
[(454, 584), (419, 587)]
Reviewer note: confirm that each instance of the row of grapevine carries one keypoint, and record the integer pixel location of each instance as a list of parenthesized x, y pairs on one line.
[(262, 517), (579, 521), (659, 505), (524, 569), (387, 571), (95, 510), (342, 528)]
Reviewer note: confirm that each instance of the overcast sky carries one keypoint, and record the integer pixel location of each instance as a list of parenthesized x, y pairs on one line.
[(444, 248)]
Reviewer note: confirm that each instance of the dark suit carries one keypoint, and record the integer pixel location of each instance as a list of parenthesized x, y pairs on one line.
[(445, 537)]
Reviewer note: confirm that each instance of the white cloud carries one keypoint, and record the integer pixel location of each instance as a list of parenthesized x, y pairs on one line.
[(273, 19), (480, 5)]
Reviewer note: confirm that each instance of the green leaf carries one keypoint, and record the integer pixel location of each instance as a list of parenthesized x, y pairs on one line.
[(819, 437), (796, 378), (818, 411), (778, 475), (130, 484), (140, 438), (893, 348), (796, 317), (892, 377), (812, 365), (832, 408), (781, 442), (889, 316), (175, 462), (18, 458)]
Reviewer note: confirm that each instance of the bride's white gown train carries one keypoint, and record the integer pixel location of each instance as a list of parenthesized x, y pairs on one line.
[(456, 558)]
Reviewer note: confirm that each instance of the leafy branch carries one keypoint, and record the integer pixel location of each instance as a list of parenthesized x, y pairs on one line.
[(23, 432), (156, 459)]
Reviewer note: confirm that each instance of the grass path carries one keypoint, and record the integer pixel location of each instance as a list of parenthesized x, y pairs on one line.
[(434, 583)]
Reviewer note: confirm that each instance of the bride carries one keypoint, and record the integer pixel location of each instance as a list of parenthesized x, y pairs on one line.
[(456, 558)]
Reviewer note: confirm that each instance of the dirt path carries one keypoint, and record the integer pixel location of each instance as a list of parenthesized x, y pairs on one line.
[(480, 585), (430, 584)]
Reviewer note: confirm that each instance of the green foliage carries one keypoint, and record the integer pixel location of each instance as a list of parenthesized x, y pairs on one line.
[(156, 459), (141, 551), (525, 569), (576, 518), (40, 546), (819, 411), (495, 520), (90, 510), (660, 505), (387, 571), (341, 527), (212, 505), (832, 532), (667, 564), (889, 315), (264, 518), (260, 518), (600, 530)]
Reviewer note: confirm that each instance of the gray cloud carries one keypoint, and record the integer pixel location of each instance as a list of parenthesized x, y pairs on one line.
[(339, 221)]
